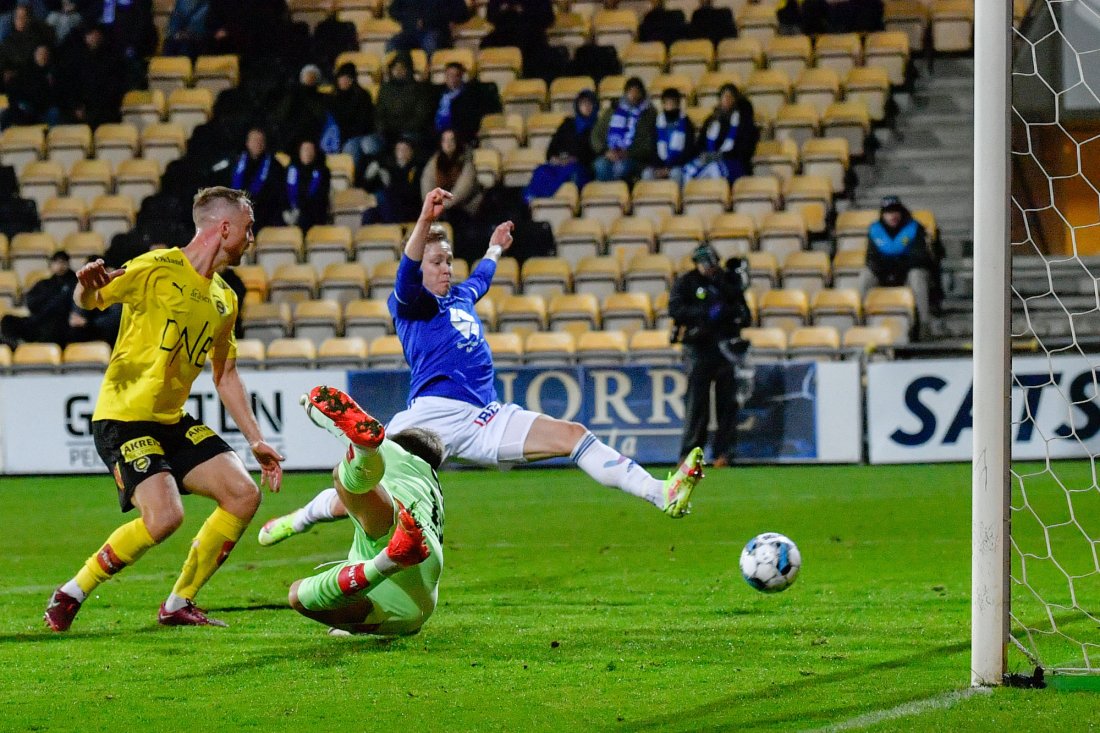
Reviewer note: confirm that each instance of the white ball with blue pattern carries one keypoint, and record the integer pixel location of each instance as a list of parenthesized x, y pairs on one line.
[(770, 562)]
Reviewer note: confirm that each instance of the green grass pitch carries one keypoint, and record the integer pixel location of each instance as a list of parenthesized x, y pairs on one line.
[(563, 606)]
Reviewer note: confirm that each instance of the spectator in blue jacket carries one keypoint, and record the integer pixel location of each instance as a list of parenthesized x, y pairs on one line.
[(898, 253)]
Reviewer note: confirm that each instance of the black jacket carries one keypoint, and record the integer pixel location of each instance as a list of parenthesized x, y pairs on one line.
[(706, 311), (50, 301), (353, 110), (476, 100)]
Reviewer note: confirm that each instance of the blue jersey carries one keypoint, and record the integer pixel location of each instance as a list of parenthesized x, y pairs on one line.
[(442, 337)]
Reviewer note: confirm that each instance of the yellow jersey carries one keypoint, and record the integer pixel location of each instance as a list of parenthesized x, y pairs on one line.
[(172, 319)]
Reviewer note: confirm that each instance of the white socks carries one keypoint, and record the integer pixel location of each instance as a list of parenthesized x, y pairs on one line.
[(611, 468), (72, 588), (174, 603), (319, 509)]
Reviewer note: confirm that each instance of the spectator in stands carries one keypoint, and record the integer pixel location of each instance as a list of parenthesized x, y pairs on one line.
[(523, 23), (89, 71), (49, 300), (353, 109), (64, 20), (727, 141), (34, 95), (332, 37), (708, 309), (712, 23), (186, 33), (426, 24), (248, 27), (662, 24), (257, 171), (308, 184), (405, 106), (569, 156), (625, 136), (95, 324), (461, 104), (396, 185), (452, 169), (898, 253), (303, 114), (128, 26), (675, 139), (27, 34)]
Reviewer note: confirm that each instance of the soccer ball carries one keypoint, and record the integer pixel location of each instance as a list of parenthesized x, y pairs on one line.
[(770, 562)]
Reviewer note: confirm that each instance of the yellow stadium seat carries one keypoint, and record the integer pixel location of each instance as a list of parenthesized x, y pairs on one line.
[(290, 353), (818, 88), (605, 201), (811, 196), (90, 179), (806, 270), (567, 311), (382, 279), (655, 199), (777, 158), (507, 349), (710, 83), (469, 35), (341, 168), (68, 143), (22, 145), (579, 238), (63, 216), (679, 236), (500, 132), (848, 265), (142, 108), (837, 307), (849, 120), (90, 356), (111, 215), (766, 344), (652, 348), (610, 88), (317, 320), (266, 321), (679, 82), (661, 318), (137, 178), (293, 283), (250, 353), (344, 282), (499, 65), (367, 319), (784, 308), (374, 33), (524, 97), (522, 313), (548, 349), (706, 197), (838, 52), (616, 28), (541, 127), (732, 235), (31, 279), (644, 60), (631, 235), (757, 22), (276, 246), (82, 245), (871, 85), (348, 207), (740, 56), (648, 273), (909, 17), (570, 31), (768, 90), (217, 73), (41, 180), (546, 276), (342, 353), (628, 312), (254, 279), (691, 58), (927, 219), (169, 73), (756, 196), (894, 308), (814, 343), (486, 310), (874, 342), (564, 91), (888, 50), (557, 208), (789, 54), (519, 164), (376, 243), (602, 348), (599, 276), (36, 357), (163, 142), (783, 232), (10, 293), (385, 352), (30, 251), (328, 244), (827, 157), (763, 271), (368, 66), (190, 108), (444, 56), (487, 164), (851, 228)]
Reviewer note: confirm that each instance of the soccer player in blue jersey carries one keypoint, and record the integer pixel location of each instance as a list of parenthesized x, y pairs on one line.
[(453, 389)]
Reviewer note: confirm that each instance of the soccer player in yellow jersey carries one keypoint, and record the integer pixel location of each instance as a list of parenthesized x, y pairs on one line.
[(176, 313)]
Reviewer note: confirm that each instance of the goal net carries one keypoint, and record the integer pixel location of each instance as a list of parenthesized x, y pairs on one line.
[(1054, 298)]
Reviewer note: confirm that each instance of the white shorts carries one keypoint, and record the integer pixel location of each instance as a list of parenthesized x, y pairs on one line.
[(489, 436)]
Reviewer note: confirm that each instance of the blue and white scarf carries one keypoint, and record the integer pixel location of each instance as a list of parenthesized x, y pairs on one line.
[(292, 185), (714, 130), (257, 183), (624, 124), (443, 113), (671, 140)]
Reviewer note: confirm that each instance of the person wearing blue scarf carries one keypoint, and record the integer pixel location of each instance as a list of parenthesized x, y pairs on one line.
[(307, 188), (727, 140), (675, 140), (257, 171), (569, 155), (624, 138)]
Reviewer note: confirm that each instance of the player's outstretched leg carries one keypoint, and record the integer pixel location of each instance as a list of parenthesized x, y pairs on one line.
[(679, 484), (331, 409), (325, 507)]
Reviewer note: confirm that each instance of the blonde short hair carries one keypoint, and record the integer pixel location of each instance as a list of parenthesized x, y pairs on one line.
[(208, 198)]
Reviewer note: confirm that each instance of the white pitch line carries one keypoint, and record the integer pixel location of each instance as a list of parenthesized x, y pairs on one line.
[(905, 710)]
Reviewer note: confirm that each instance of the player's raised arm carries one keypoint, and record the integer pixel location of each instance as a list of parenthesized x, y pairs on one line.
[(432, 210), (89, 279), (500, 241), (231, 389)]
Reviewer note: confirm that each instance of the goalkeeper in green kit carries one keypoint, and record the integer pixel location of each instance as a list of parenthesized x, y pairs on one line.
[(389, 584)]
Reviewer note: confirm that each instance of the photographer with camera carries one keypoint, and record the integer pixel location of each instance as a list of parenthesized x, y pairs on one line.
[(708, 310)]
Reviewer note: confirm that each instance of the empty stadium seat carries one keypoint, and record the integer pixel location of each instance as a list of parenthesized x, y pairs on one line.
[(317, 320), (732, 235), (741, 56), (627, 312), (506, 348), (546, 276), (142, 108), (827, 157), (812, 197), (850, 121), (341, 169), (255, 281), (870, 85), (327, 244), (789, 54), (22, 145), (645, 60), (292, 283), (815, 343), (342, 353), (767, 344), (872, 342), (522, 313), (169, 73), (909, 17), (82, 245), (344, 282), (838, 52), (290, 353), (651, 347), (888, 50), (276, 246), (385, 352), (67, 144), (518, 166), (267, 321), (763, 271), (63, 216), (41, 180), (36, 357), (631, 235), (137, 178), (549, 349), (501, 132), (348, 207), (706, 197), (648, 273), (602, 348), (499, 65), (756, 196), (605, 201), (784, 308), (795, 122), (569, 31), (894, 308), (691, 58), (541, 127), (375, 33), (90, 179), (783, 232), (851, 228), (190, 108), (777, 158), (250, 353), (30, 251), (367, 319), (808, 271), (616, 28), (557, 208), (376, 243), (837, 307), (758, 22), (579, 238), (655, 198), (216, 73), (848, 264), (768, 90), (382, 279), (818, 88), (599, 276), (90, 356), (525, 97), (679, 236), (163, 142)]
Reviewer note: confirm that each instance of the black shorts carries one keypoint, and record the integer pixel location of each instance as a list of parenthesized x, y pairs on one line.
[(136, 450)]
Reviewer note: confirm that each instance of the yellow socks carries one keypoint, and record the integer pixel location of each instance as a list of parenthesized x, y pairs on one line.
[(125, 545), (211, 546)]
